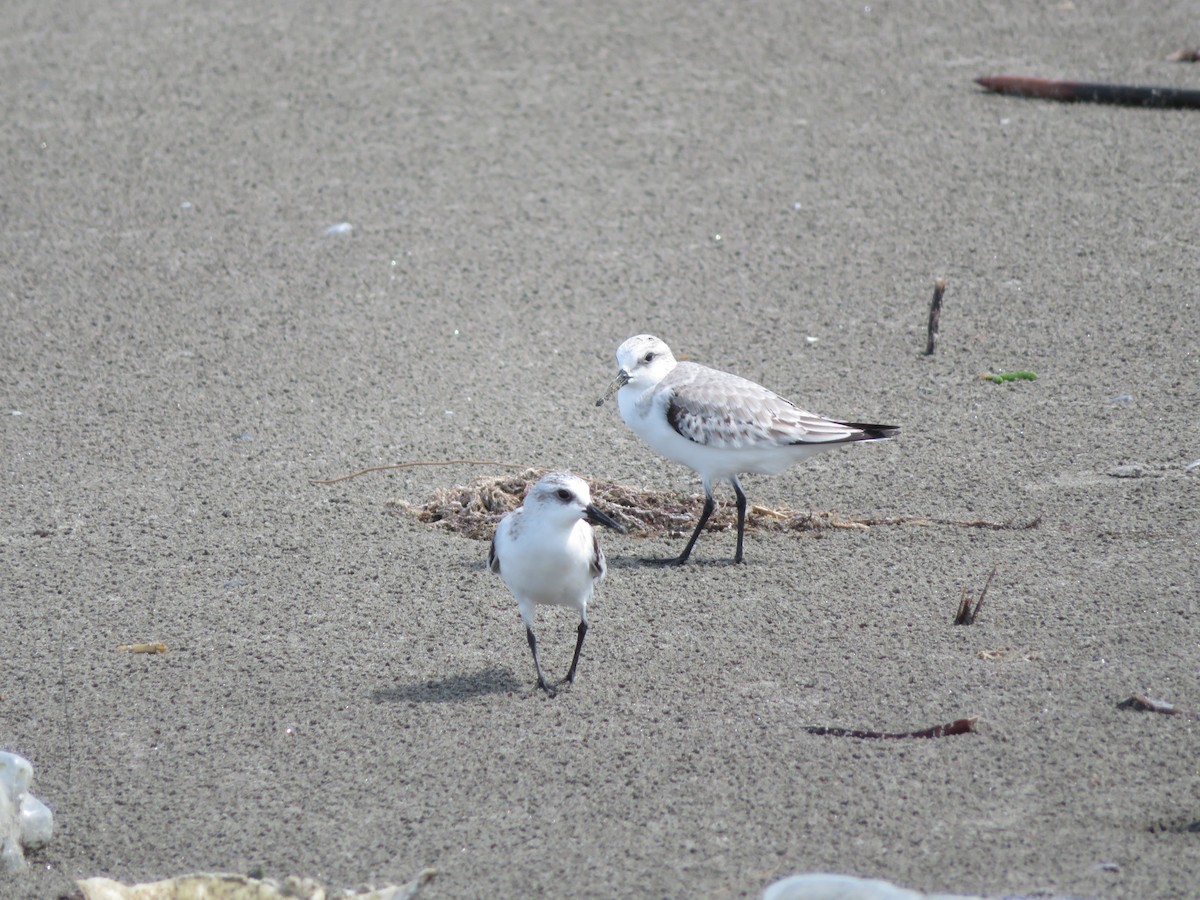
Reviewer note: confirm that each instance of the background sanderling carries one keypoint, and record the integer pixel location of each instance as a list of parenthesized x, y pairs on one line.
[(718, 424)]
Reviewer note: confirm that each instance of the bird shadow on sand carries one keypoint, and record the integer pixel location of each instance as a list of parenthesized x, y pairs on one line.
[(667, 563), (451, 689)]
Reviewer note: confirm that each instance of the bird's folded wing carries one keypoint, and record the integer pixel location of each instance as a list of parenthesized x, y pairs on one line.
[(725, 411)]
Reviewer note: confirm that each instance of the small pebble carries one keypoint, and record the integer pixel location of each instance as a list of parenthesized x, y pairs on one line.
[(1132, 470)]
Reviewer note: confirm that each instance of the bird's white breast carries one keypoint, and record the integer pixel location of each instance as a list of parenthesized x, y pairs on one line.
[(545, 564)]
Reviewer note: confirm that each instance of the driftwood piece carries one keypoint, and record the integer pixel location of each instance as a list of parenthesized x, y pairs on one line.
[(1142, 703)]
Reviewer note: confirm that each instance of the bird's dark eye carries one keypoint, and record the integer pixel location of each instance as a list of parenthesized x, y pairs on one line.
[(564, 495), (649, 357)]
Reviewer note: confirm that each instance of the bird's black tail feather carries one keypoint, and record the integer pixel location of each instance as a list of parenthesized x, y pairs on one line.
[(872, 432)]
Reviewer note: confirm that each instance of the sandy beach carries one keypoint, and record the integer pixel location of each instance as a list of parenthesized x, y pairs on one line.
[(188, 339)]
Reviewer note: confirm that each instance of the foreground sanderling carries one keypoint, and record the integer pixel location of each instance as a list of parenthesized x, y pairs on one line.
[(547, 553), (719, 425)]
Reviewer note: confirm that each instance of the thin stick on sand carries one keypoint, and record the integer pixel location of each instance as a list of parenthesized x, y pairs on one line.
[(1091, 92), (413, 465), (958, 726), (935, 313)]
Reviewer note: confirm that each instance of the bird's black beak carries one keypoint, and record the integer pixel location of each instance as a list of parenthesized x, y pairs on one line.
[(621, 380), (597, 516)]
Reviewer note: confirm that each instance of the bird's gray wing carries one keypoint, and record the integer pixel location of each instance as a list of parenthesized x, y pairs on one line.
[(508, 527), (599, 564), (726, 411)]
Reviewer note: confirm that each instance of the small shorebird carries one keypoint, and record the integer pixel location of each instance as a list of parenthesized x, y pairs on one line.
[(547, 553), (717, 424)]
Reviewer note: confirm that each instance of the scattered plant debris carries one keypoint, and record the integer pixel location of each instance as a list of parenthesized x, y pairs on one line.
[(143, 648), (958, 726), (224, 886), (968, 607), (413, 465), (1001, 377), (474, 510), (1142, 703)]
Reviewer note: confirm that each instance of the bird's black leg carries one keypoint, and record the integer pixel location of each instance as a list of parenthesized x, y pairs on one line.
[(709, 506), (537, 665), (570, 679), (741, 510)]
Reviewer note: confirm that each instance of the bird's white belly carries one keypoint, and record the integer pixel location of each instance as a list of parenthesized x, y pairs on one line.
[(556, 575)]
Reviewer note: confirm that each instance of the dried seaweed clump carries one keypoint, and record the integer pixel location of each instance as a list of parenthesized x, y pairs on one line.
[(476, 509)]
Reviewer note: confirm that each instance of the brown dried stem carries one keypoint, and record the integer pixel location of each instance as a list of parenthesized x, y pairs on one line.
[(935, 313), (968, 607), (958, 726)]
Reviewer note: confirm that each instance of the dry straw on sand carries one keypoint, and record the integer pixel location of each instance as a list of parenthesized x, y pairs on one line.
[(474, 510)]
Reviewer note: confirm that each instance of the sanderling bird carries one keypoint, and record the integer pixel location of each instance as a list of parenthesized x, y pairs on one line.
[(717, 424), (547, 552)]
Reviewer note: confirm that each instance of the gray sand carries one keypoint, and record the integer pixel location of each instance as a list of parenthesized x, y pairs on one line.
[(348, 694)]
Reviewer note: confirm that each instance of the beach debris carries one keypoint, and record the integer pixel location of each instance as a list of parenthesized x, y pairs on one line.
[(935, 313), (339, 229), (1195, 463), (412, 465), (1092, 92), (968, 606), (958, 726), (1187, 55), (1142, 703), (1127, 470), (1001, 377), (474, 510), (26, 823), (143, 648), (222, 886), (822, 886)]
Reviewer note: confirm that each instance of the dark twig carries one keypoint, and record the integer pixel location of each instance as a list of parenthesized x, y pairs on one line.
[(1142, 703), (958, 726), (968, 607), (411, 465), (935, 313), (1091, 92)]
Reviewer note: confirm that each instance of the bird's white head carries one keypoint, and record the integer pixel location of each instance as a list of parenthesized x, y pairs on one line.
[(644, 361), (560, 495), (565, 498)]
